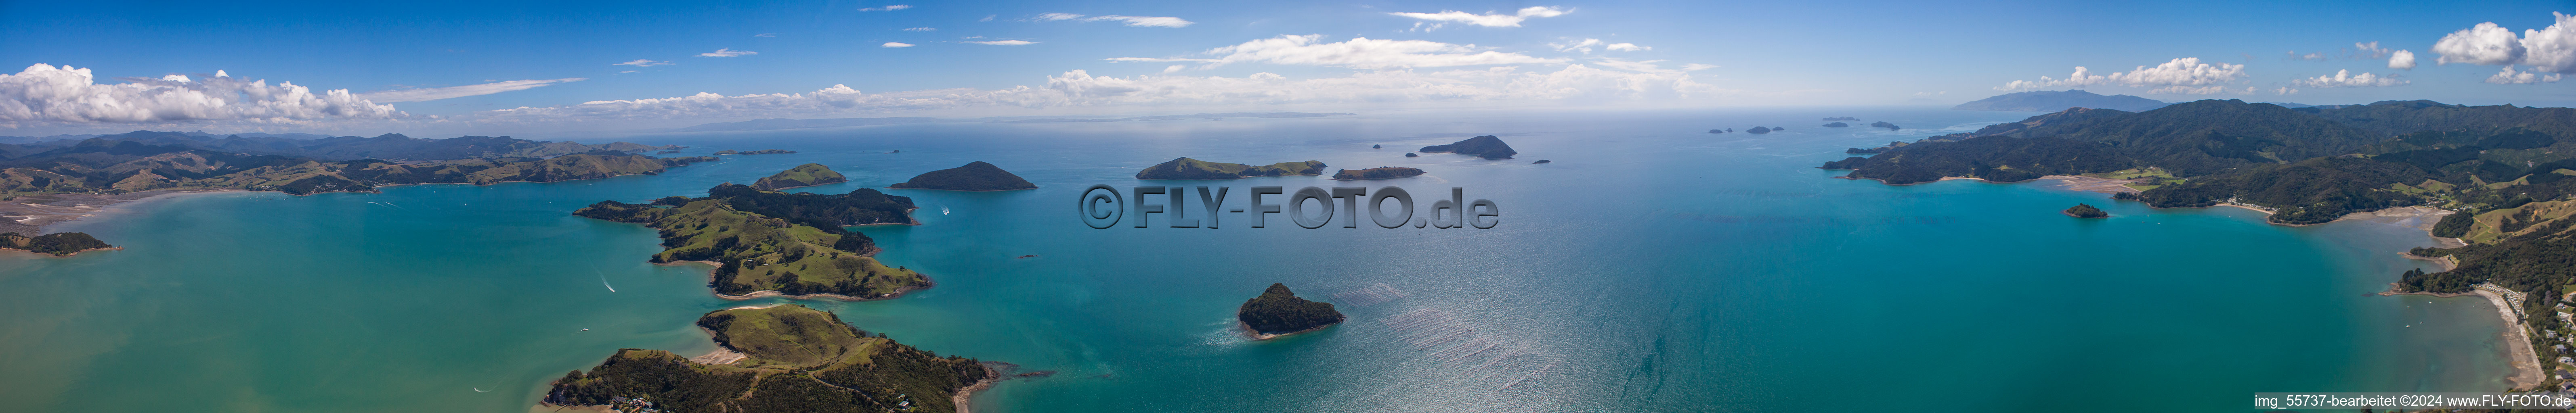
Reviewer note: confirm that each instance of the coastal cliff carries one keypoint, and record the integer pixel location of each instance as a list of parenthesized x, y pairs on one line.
[(974, 176), (1278, 312), (1186, 168), (800, 176), (786, 358)]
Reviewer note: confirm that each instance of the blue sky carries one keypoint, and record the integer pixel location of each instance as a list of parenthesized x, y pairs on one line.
[(478, 57)]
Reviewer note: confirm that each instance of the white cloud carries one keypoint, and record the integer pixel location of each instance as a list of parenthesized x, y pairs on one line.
[(989, 17), (2172, 75), (2284, 90), (765, 35), (643, 63), (1649, 66), (1004, 42), (887, 8), (436, 93), (2345, 78), (1362, 53), (1583, 46), (921, 29), (1626, 47), (1131, 21), (1489, 19), (2486, 44), (2514, 77), (628, 71), (1174, 68), (2369, 50), (895, 44), (44, 94), (2401, 60), (727, 52), (2553, 49)]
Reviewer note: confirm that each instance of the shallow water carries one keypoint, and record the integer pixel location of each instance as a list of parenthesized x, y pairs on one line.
[(1650, 267)]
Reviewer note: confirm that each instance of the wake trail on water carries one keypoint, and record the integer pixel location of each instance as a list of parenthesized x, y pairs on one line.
[(603, 281)]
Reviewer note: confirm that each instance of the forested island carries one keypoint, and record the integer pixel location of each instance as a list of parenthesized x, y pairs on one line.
[(974, 176), (2085, 211), (1837, 125), (1884, 124), (1278, 312), (1186, 168), (1758, 130), (1488, 147), (60, 244), (786, 359), (776, 243), (1848, 118), (1383, 172), (800, 176)]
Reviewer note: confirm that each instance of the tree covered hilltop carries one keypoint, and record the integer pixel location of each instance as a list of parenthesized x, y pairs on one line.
[(775, 242), (974, 176), (60, 244), (786, 358), (1278, 312), (800, 176)]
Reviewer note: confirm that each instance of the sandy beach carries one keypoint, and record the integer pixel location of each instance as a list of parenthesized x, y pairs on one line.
[(30, 214)]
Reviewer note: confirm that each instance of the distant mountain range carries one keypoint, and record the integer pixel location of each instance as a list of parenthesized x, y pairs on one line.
[(2052, 101), (148, 160)]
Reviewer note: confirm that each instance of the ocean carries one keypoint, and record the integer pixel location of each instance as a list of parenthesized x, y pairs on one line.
[(1649, 267)]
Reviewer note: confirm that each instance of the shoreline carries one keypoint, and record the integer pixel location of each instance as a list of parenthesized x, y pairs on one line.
[(2527, 368), (962, 190), (1260, 336), (967, 394), (35, 212)]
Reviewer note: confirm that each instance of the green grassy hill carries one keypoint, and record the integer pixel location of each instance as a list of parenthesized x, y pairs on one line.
[(800, 176), (796, 359)]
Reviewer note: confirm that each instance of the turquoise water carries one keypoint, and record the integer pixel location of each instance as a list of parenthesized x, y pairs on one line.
[(1650, 267)]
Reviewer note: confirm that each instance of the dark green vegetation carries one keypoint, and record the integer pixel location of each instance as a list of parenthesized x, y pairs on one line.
[(1758, 130), (1488, 147), (775, 241), (143, 161), (758, 152), (59, 244), (1279, 311), (1849, 118), (1412, 155), (1884, 124), (1186, 168), (1837, 125), (2051, 101), (2309, 165), (975, 176), (1382, 172), (2086, 211), (796, 359), (800, 176)]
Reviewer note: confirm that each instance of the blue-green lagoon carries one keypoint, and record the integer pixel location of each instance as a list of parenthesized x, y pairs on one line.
[(1649, 267)]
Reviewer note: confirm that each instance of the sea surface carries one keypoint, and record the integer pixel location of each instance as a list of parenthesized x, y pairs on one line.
[(1650, 267)]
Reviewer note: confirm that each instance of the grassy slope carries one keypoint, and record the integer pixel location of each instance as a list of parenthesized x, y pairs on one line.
[(772, 248), (798, 360), (802, 175)]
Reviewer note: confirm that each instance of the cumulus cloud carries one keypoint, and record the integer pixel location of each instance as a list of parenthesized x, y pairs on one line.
[(2184, 75), (2284, 90), (895, 44), (1489, 19), (47, 94), (436, 93), (2345, 78), (1004, 42), (887, 8), (1361, 53), (2547, 50), (727, 53), (2401, 60), (1131, 21), (643, 63), (920, 29), (1626, 47), (2486, 44), (2514, 77)]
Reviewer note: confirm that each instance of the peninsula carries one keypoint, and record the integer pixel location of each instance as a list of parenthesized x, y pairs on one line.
[(1383, 172), (974, 176), (1278, 312), (768, 243), (784, 358), (60, 244), (800, 176), (1186, 168), (1488, 147)]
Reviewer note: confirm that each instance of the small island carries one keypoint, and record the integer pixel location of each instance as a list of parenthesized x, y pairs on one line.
[(59, 244), (758, 152), (2085, 211), (782, 358), (1854, 119), (1186, 168), (1412, 155), (975, 176), (1382, 172), (801, 176), (1884, 124), (1758, 130), (1279, 312), (1377, 146), (1716, 131), (1488, 147), (1837, 125), (769, 243), (1543, 161)]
